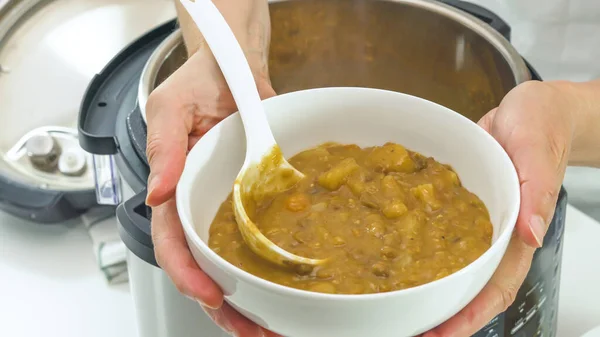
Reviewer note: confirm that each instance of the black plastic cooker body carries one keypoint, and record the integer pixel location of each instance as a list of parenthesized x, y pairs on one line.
[(110, 123)]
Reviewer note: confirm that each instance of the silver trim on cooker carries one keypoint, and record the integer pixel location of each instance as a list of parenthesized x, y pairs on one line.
[(150, 71), (14, 11), (512, 57)]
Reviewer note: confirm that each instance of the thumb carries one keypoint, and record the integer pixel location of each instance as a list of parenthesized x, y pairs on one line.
[(487, 121), (541, 168), (265, 89), (540, 158), (166, 148)]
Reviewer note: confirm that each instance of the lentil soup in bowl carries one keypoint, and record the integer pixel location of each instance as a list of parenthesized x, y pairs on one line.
[(412, 204)]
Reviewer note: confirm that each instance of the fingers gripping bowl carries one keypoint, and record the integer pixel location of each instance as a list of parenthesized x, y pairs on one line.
[(366, 117)]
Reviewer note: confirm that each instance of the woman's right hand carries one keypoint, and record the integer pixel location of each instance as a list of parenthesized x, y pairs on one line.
[(179, 112)]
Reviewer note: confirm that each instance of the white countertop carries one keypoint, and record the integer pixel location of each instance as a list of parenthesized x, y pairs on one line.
[(51, 286)]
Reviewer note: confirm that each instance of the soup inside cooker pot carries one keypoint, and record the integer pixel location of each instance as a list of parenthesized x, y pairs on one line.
[(391, 45)]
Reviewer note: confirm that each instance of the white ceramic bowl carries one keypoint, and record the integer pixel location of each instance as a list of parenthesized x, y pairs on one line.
[(366, 117)]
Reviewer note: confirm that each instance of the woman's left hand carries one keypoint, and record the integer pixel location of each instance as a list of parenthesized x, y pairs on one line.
[(535, 123)]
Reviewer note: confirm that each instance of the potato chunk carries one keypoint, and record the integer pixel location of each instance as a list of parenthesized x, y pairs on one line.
[(391, 158), (446, 179), (394, 209), (390, 188), (426, 194), (337, 175), (356, 182), (411, 224)]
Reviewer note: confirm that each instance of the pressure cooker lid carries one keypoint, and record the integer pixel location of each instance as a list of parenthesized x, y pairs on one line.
[(49, 51)]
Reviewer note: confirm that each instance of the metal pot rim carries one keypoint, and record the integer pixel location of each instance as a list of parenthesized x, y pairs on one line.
[(504, 47), (153, 65)]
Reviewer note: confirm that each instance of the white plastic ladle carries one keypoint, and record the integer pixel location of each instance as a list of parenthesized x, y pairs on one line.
[(265, 170)]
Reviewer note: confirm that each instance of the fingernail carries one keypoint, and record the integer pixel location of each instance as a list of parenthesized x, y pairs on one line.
[(152, 182), (206, 305), (219, 318), (538, 229), (202, 304), (261, 332)]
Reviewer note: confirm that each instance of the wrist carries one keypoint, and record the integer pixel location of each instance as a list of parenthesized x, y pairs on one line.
[(250, 22), (584, 106)]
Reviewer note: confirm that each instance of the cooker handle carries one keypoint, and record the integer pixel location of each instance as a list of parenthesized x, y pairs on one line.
[(483, 14), (97, 118), (133, 217), (106, 97)]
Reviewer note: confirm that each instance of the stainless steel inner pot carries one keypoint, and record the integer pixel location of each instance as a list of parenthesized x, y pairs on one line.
[(423, 48)]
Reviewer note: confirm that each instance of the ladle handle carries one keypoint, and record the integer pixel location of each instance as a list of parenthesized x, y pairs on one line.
[(237, 73)]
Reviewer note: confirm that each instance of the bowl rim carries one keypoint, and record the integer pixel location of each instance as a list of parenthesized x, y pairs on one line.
[(187, 178)]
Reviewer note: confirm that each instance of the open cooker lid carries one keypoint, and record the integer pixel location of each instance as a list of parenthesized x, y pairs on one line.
[(49, 51)]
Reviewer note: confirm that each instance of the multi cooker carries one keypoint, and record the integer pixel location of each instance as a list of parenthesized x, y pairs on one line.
[(437, 50)]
